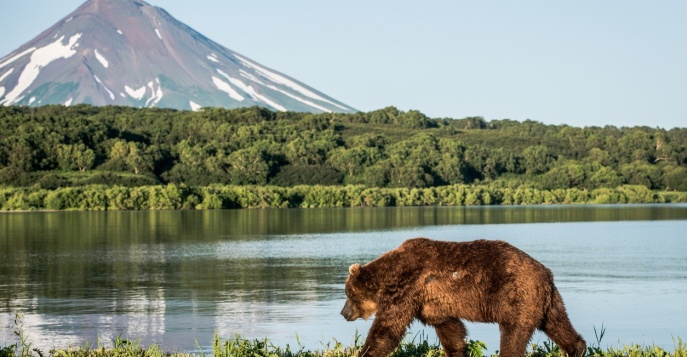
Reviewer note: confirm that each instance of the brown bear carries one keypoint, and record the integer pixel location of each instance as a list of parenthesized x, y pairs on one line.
[(441, 283)]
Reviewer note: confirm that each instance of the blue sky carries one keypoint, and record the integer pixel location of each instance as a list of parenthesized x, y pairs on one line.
[(582, 63)]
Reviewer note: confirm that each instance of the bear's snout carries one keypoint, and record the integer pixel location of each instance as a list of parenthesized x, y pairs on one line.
[(348, 312)]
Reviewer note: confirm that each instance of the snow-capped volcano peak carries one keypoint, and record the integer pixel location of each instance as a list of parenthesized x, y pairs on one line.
[(127, 52)]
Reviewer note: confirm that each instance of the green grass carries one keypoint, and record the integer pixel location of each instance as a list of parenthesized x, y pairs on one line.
[(418, 346), (241, 347)]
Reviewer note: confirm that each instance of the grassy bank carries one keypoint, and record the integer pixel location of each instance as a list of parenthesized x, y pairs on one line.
[(240, 347), (172, 196)]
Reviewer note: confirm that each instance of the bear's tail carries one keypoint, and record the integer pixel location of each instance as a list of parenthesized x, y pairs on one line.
[(557, 327)]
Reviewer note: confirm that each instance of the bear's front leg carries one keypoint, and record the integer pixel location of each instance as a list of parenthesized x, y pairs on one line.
[(387, 331), (452, 334), (514, 339)]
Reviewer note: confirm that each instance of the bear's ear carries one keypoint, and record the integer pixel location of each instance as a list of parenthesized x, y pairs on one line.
[(354, 269)]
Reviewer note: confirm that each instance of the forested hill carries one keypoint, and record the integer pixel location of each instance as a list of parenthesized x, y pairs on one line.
[(56, 146)]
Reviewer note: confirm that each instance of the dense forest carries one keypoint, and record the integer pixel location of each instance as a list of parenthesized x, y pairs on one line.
[(54, 147)]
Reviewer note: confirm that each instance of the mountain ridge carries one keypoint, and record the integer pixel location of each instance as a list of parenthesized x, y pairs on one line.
[(127, 52)]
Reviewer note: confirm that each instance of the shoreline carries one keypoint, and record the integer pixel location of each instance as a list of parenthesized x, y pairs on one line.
[(239, 346), (182, 197)]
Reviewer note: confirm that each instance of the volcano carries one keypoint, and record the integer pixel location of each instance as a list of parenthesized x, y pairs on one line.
[(127, 52)]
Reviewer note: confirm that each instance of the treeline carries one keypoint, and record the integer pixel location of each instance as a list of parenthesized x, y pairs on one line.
[(55, 147), (173, 196)]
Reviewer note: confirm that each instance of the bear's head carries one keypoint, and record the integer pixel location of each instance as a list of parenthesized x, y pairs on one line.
[(360, 299)]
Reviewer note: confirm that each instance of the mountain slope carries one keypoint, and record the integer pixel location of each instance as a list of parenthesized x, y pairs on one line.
[(127, 52)]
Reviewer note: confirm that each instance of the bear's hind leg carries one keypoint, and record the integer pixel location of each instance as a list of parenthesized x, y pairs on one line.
[(563, 335), (566, 338), (514, 339), (452, 337), (558, 328)]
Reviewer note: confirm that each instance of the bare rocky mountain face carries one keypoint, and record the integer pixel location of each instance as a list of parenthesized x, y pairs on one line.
[(127, 52)]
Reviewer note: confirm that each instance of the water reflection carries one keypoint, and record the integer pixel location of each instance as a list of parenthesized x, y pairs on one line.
[(173, 277), (131, 228)]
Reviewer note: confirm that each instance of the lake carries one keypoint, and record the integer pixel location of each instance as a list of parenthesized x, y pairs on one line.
[(177, 277)]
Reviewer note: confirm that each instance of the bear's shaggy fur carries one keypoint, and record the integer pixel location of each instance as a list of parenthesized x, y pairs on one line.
[(441, 283)]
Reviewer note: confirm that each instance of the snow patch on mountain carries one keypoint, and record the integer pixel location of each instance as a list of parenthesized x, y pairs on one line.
[(304, 101), (101, 59), (6, 74), (252, 92), (39, 59), (248, 76), (225, 87), (242, 86), (157, 93), (270, 102), (14, 58), (109, 92), (213, 57), (158, 33), (2, 92), (69, 102), (138, 94), (195, 106), (279, 79), (135, 93), (274, 88), (120, 32)]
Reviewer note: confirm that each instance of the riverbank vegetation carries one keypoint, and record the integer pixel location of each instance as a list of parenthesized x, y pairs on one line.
[(240, 347), (85, 157), (172, 196)]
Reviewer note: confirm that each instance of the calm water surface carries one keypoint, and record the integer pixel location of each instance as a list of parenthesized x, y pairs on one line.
[(174, 277)]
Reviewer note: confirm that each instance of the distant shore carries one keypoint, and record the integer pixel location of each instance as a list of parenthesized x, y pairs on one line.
[(182, 197)]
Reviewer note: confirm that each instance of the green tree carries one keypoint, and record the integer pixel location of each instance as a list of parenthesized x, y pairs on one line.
[(85, 160), (637, 145), (48, 146), (409, 175), (138, 159), (75, 157), (450, 167), (536, 160), (291, 175), (600, 156), (642, 173), (675, 178), (21, 156), (310, 148), (117, 156), (568, 175), (605, 177), (249, 166), (377, 175), (414, 119), (198, 165), (354, 161), (370, 140)]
